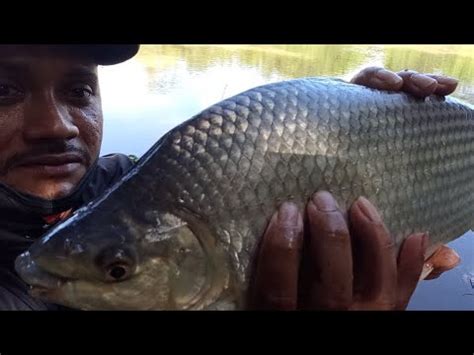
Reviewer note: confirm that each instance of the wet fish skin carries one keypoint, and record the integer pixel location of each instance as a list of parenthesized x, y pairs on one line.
[(195, 205)]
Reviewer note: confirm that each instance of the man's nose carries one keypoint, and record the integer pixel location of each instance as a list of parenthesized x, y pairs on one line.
[(48, 118)]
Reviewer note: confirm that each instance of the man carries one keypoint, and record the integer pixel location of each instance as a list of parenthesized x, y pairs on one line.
[(50, 136), (51, 131)]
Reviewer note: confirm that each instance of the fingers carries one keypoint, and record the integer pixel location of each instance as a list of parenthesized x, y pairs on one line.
[(410, 265), (339, 272), (275, 284), (409, 81), (378, 78), (417, 84), (442, 260), (423, 85), (375, 269), (329, 272), (446, 85)]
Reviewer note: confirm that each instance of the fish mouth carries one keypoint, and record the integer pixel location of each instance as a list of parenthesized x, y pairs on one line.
[(42, 283)]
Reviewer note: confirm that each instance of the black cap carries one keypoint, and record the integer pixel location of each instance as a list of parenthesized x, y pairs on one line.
[(106, 54), (101, 54)]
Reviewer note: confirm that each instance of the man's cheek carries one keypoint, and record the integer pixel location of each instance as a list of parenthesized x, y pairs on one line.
[(91, 135)]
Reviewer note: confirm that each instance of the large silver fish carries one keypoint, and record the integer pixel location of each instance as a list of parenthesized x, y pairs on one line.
[(179, 231)]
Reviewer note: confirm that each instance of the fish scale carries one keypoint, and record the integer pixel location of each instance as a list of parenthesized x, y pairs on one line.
[(381, 122)]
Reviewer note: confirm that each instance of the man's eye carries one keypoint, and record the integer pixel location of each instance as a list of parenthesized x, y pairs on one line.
[(9, 91), (81, 92)]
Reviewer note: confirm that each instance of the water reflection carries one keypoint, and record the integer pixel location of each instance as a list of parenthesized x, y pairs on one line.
[(165, 85), (456, 61)]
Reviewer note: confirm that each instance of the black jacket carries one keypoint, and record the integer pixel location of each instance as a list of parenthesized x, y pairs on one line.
[(22, 221)]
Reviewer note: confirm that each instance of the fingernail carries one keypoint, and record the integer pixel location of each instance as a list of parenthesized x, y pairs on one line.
[(447, 80), (422, 81), (324, 201), (368, 210), (388, 77), (288, 212)]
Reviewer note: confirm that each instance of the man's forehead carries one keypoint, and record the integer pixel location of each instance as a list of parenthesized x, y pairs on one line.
[(22, 52), (24, 60)]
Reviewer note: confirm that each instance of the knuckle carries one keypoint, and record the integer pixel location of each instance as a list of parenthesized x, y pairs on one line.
[(389, 245)]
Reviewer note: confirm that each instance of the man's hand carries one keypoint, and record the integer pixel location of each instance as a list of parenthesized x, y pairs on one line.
[(355, 265), (417, 84), (344, 265)]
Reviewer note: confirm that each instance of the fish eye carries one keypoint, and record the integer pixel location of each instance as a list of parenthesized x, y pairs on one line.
[(118, 272), (116, 265)]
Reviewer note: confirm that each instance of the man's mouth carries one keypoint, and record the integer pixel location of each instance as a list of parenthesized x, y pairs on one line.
[(52, 164)]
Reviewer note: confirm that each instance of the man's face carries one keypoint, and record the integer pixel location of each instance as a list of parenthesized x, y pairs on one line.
[(50, 120)]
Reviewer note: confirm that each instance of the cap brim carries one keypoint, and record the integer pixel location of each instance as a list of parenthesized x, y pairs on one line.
[(108, 54)]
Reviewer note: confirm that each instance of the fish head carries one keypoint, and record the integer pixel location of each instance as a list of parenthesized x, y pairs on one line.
[(157, 262)]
